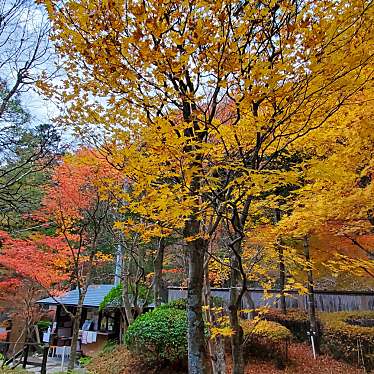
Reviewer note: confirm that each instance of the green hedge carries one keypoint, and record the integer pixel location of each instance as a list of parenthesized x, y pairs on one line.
[(295, 320), (159, 335), (344, 340), (175, 304), (266, 339)]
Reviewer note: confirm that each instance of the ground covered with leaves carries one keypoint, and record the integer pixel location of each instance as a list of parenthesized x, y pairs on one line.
[(121, 361), (301, 362)]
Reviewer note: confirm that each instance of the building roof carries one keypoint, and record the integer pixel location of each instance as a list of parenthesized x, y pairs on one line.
[(94, 296)]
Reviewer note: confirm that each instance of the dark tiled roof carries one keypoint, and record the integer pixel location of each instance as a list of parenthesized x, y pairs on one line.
[(94, 296)]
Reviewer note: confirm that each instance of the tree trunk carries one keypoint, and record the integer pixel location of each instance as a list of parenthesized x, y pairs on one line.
[(282, 269), (196, 245), (75, 334), (216, 346), (235, 302), (251, 305), (282, 280), (125, 292), (195, 329), (311, 300), (157, 263), (237, 337)]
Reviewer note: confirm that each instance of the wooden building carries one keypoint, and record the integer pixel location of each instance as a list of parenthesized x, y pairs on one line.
[(97, 326)]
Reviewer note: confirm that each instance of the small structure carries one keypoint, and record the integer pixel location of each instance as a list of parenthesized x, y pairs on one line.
[(97, 326)]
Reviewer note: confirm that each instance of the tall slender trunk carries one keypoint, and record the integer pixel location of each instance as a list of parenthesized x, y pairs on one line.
[(118, 266), (235, 302), (157, 264), (311, 299), (238, 286), (82, 290), (282, 280), (216, 346), (282, 270), (251, 305), (196, 245), (125, 292)]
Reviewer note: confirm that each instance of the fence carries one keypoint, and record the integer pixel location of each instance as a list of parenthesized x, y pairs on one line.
[(326, 301), (22, 357)]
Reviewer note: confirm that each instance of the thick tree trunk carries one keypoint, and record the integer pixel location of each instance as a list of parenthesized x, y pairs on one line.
[(157, 263), (311, 299), (196, 245), (216, 346), (237, 337), (195, 330)]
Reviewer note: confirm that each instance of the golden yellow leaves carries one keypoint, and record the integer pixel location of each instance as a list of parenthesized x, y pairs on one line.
[(360, 267), (218, 322), (205, 113), (219, 271)]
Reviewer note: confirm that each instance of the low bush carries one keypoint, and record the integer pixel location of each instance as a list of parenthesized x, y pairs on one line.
[(159, 335), (295, 320), (266, 339), (345, 336), (109, 346), (43, 325), (84, 361), (115, 362), (121, 361), (182, 303), (175, 304)]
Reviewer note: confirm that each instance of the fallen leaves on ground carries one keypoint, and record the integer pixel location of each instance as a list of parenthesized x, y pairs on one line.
[(301, 361), (121, 361)]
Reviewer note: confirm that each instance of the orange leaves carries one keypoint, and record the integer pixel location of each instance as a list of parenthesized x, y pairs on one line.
[(78, 183), (40, 258)]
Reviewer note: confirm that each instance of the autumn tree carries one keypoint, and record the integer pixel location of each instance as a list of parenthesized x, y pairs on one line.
[(31, 267), (161, 73), (80, 214)]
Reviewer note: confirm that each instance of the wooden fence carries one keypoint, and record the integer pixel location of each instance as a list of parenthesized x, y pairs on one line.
[(22, 356), (326, 301)]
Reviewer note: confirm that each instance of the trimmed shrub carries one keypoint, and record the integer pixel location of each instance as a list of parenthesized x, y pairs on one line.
[(182, 303), (267, 339), (175, 304), (345, 337), (273, 331), (295, 320), (159, 335)]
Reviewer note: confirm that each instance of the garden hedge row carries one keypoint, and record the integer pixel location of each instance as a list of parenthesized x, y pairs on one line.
[(295, 320), (266, 339), (344, 337)]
